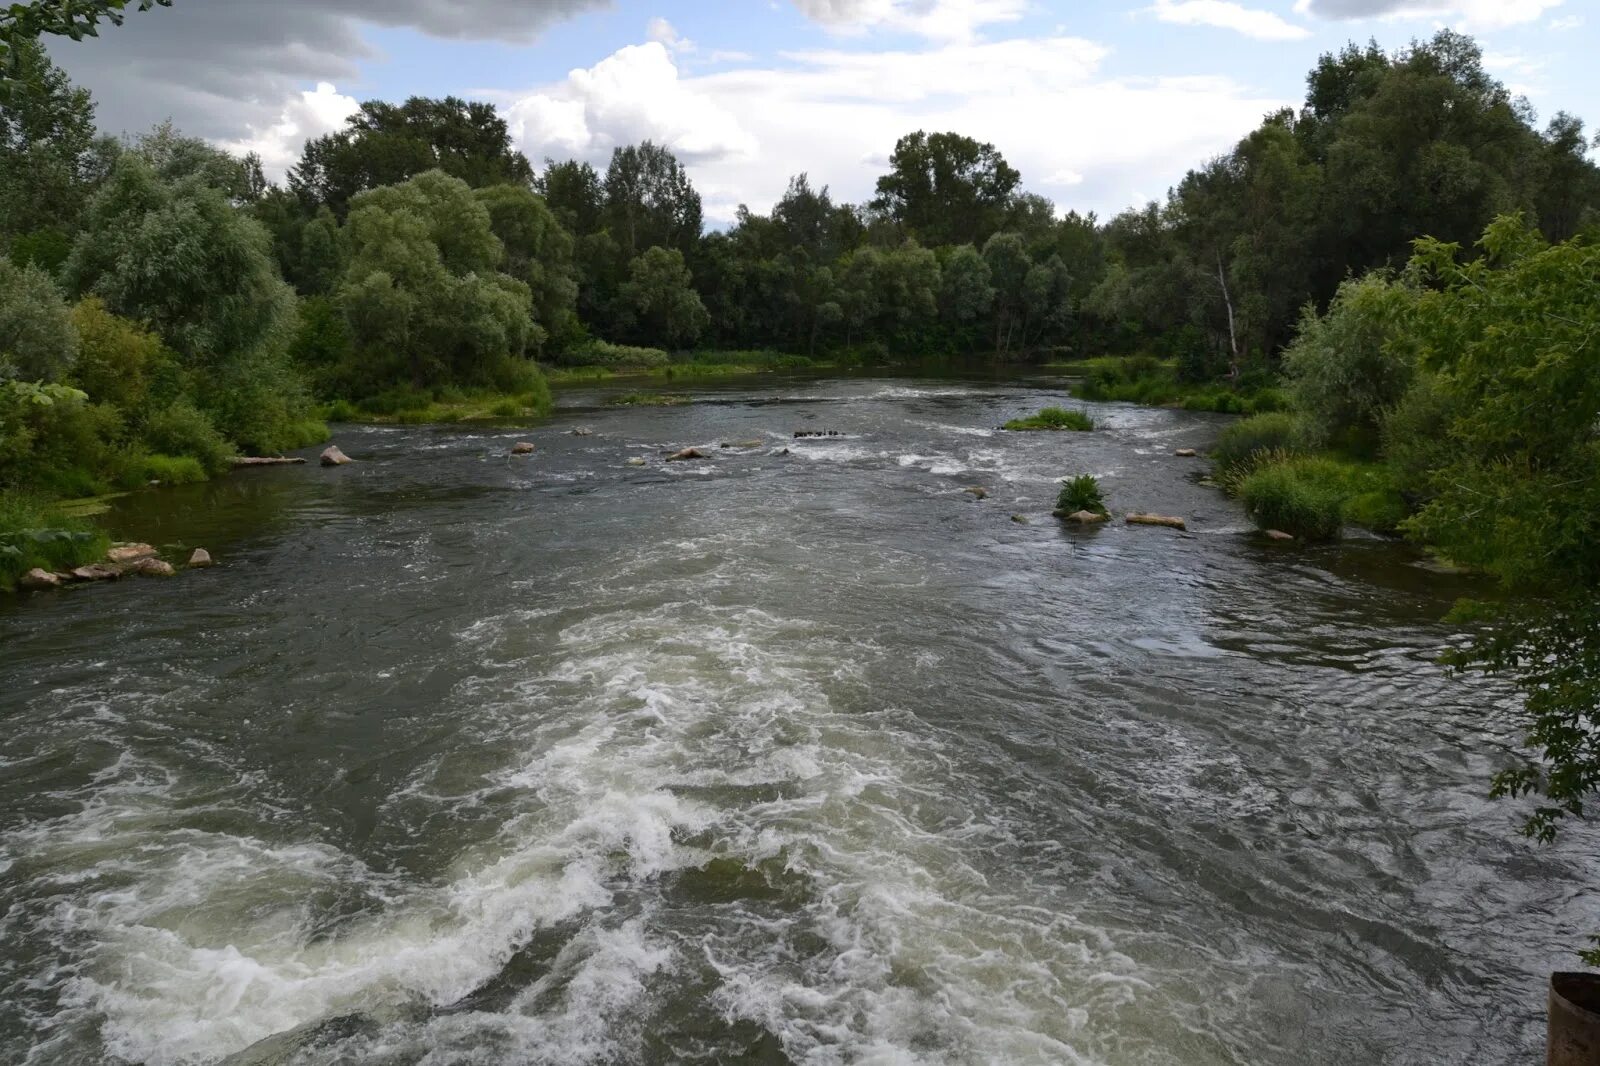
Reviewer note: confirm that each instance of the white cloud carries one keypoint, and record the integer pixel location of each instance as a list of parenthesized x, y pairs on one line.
[(663, 33), (1469, 14), (1225, 14), (637, 93), (308, 114), (941, 20), (1567, 23), (1091, 139)]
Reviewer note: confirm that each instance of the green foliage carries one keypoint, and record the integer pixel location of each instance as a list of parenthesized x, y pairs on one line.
[(1052, 418), (1347, 368), (1241, 445), (1416, 436), (1082, 493), (182, 430), (47, 156), (659, 298), (37, 341), (32, 535), (944, 188), (1301, 496), (173, 469), (612, 356), (117, 360)]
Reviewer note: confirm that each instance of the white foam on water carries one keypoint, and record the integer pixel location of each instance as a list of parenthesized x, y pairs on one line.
[(193, 945)]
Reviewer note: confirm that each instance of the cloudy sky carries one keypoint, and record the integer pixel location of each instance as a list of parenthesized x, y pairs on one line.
[(1100, 103)]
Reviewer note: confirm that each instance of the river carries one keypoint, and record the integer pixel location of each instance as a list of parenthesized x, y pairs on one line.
[(803, 756)]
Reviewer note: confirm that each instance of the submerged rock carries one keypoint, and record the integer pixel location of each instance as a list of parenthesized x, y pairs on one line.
[(38, 579), (686, 454), (200, 559), (1278, 534), (332, 456), (581, 431), (1084, 518), (522, 447), (1186, 453), (743, 443), (1168, 521), (802, 433), (1020, 519), (97, 572), (152, 568), (636, 461), (978, 492), (123, 554)]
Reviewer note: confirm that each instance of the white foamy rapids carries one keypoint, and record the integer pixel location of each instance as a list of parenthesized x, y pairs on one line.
[(200, 944)]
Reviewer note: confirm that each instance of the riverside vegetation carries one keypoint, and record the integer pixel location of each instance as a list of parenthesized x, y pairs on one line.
[(1394, 282)]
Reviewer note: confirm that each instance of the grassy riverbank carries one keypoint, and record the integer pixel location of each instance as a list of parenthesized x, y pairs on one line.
[(1147, 380)]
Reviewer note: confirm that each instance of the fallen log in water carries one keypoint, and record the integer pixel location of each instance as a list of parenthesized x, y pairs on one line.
[(266, 460)]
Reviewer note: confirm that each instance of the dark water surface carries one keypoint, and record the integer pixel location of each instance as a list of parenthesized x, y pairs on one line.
[(805, 758)]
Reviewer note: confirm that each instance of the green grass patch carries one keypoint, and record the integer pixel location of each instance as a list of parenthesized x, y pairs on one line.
[(1242, 445), (694, 365), (1052, 419), (34, 534), (1144, 379), (1082, 493), (173, 469), (413, 407), (1315, 496)]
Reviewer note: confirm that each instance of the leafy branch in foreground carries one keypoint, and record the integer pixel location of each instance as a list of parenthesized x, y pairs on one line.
[(76, 19)]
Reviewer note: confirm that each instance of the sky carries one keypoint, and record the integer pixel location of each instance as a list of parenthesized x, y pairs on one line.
[(1101, 104)]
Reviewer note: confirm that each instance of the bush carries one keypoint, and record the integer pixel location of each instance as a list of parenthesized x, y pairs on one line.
[(173, 469), (31, 535), (522, 378), (1344, 369), (613, 356), (116, 357), (37, 341), (1305, 497), (183, 430), (1052, 419), (1241, 444), (1082, 493), (1416, 438)]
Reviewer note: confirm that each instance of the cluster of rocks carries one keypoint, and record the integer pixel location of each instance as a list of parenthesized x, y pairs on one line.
[(121, 561), (800, 434)]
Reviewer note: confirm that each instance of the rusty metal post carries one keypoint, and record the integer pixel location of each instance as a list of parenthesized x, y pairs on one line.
[(1574, 1020)]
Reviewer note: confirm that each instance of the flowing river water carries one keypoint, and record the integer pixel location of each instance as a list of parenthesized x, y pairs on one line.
[(806, 757)]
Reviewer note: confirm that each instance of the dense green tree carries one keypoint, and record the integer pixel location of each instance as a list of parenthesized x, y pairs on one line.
[(37, 339), (944, 188), (538, 252), (649, 201), (659, 298), (47, 139), (386, 144), (576, 193)]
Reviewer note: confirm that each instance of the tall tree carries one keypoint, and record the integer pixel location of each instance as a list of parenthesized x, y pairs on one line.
[(385, 144), (650, 201), (47, 140), (947, 189)]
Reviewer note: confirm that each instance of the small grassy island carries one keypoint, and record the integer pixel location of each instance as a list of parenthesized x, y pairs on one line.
[(1052, 419)]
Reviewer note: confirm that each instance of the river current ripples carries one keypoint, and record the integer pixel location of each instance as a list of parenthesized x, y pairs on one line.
[(798, 754)]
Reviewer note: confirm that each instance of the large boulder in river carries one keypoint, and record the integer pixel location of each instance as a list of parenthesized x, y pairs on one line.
[(522, 447), (332, 456), (200, 559), (686, 454), (1169, 521), (97, 572), (977, 492), (123, 554), (38, 579), (1278, 534), (1186, 453)]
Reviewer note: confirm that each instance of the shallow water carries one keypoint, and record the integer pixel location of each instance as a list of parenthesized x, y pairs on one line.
[(774, 758)]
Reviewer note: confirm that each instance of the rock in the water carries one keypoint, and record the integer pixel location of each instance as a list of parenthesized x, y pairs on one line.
[(332, 456), (803, 433), (1186, 453), (152, 568), (265, 460), (123, 554), (522, 447), (97, 572), (743, 443), (1085, 518), (636, 461), (978, 492), (687, 453), (1278, 534), (200, 559), (582, 431), (1020, 519), (38, 579), (1157, 520)]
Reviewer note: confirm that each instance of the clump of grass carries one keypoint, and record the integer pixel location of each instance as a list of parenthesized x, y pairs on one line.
[(1082, 493), (35, 535), (1243, 445), (173, 469), (1303, 496), (1052, 419), (649, 399)]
